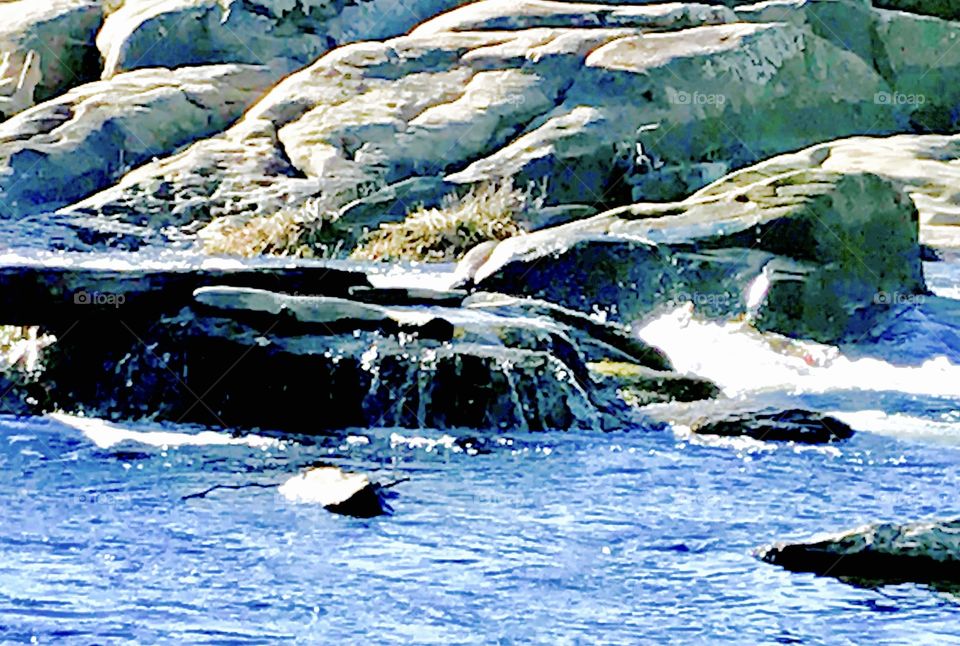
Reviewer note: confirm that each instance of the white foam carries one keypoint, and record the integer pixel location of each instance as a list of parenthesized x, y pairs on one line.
[(945, 431), (742, 360), (107, 434)]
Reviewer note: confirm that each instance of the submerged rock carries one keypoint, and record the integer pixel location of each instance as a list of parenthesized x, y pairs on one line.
[(340, 492), (885, 553), (718, 416)]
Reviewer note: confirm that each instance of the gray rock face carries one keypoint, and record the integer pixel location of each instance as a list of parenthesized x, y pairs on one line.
[(801, 252), (48, 44), (284, 33), (923, 552), (74, 145), (926, 166), (603, 104)]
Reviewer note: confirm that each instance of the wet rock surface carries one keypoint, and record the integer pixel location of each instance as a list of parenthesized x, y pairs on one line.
[(884, 553), (791, 425), (228, 349)]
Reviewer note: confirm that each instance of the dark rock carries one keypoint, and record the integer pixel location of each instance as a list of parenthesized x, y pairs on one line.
[(56, 296), (884, 553), (791, 425), (598, 341), (947, 9)]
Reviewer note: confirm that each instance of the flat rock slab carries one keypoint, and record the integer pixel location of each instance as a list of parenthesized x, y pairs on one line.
[(721, 417), (49, 295), (884, 553), (791, 425)]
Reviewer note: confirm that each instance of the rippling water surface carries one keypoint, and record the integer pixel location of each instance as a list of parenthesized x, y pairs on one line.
[(585, 537)]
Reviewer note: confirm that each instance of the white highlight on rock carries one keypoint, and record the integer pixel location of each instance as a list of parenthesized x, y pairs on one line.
[(324, 486)]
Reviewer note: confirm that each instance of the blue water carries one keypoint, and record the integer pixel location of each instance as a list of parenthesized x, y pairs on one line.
[(613, 538), (567, 538)]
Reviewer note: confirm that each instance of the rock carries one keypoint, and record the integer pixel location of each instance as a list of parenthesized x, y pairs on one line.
[(466, 271), (601, 104), (174, 345), (939, 8), (408, 296), (287, 33), (331, 314), (57, 294), (46, 48), (597, 340), (74, 145), (825, 244), (18, 82), (924, 165), (639, 385), (884, 553), (339, 492), (791, 425)]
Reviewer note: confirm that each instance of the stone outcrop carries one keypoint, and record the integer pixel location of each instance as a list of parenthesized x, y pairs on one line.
[(46, 48), (600, 104), (196, 344), (791, 425), (926, 166), (921, 552), (802, 252), (72, 146), (286, 34)]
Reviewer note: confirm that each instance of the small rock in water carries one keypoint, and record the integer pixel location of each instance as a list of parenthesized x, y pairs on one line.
[(792, 425), (340, 492)]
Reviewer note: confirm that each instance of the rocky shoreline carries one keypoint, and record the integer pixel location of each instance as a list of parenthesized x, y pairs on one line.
[(789, 164)]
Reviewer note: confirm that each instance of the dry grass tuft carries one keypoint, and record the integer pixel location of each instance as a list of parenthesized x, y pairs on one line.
[(308, 232), (486, 212)]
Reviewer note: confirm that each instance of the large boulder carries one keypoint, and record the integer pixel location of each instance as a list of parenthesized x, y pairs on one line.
[(926, 166), (70, 147), (195, 344), (922, 552), (45, 48), (595, 104), (284, 33), (802, 252)]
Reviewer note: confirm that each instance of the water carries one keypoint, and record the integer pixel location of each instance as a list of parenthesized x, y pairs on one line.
[(581, 537)]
